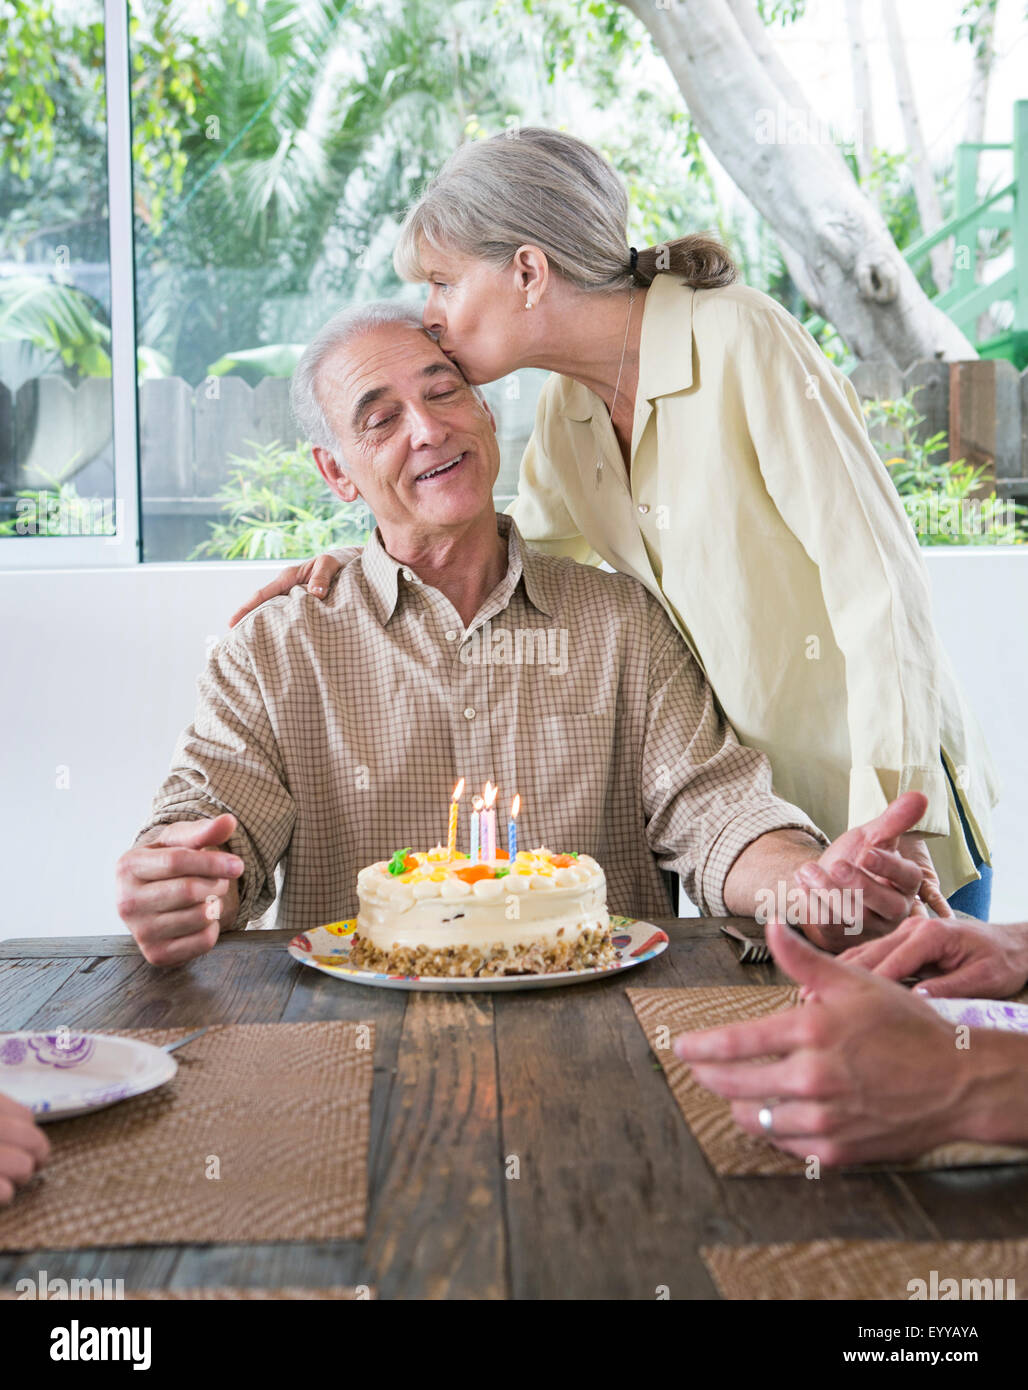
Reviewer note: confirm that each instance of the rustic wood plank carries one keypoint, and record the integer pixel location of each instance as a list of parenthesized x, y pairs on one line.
[(985, 417), (140, 1266), (272, 415), (9, 479), (972, 1203), (612, 1196), (25, 986), (166, 436), (932, 400), (274, 1265), (223, 424), (435, 1225), (53, 947), (127, 992)]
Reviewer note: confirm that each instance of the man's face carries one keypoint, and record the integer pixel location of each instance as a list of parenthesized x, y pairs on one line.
[(417, 444)]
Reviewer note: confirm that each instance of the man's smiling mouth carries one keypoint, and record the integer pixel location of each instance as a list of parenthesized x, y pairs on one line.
[(441, 469)]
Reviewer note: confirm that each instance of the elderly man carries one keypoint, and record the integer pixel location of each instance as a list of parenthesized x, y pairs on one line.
[(328, 734)]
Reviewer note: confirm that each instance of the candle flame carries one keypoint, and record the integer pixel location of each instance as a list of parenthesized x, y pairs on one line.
[(457, 790), (490, 795), (477, 803), (515, 807)]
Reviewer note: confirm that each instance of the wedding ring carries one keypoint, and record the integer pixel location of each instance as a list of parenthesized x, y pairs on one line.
[(766, 1119)]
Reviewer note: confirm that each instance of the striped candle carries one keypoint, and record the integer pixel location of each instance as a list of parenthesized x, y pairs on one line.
[(512, 830)]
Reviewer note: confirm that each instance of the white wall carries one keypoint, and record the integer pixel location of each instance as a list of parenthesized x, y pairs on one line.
[(98, 676)]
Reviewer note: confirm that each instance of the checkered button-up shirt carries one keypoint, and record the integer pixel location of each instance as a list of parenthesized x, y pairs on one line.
[(335, 731)]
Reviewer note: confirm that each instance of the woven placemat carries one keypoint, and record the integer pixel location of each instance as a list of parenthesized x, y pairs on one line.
[(729, 1150), (261, 1135), (870, 1269), (339, 1293)]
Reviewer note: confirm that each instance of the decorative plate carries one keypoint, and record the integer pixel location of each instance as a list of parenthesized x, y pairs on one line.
[(61, 1074), (984, 1013), (328, 949)]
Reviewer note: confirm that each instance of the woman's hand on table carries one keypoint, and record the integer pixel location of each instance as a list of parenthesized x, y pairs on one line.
[(177, 890), (974, 961), (864, 1071), (316, 575), (873, 859), (24, 1148)]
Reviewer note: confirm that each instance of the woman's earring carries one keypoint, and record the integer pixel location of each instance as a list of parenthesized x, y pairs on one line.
[(529, 304)]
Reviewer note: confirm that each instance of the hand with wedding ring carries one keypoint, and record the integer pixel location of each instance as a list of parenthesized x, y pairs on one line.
[(866, 1070)]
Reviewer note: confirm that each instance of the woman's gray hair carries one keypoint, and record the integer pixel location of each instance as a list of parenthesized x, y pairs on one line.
[(551, 190), (341, 329)]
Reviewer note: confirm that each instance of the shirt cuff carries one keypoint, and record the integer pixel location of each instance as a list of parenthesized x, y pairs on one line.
[(731, 838), (872, 788)]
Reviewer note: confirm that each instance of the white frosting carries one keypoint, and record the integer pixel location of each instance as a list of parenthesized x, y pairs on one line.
[(512, 911)]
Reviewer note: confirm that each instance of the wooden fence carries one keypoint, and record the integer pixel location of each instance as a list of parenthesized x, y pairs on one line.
[(187, 433)]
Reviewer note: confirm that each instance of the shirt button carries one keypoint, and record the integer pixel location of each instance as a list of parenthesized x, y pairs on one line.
[(452, 636), (643, 508), (408, 574), (469, 713)]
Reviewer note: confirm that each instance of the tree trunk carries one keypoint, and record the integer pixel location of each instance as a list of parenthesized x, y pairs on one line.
[(983, 41), (863, 118), (801, 185), (923, 179)]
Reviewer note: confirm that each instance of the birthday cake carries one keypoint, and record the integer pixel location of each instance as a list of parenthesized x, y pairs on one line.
[(439, 913)]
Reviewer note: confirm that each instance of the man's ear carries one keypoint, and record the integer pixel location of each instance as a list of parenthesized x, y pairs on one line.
[(479, 395), (340, 482)]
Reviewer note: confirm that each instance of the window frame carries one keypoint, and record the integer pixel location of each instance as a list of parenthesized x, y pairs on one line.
[(19, 553)]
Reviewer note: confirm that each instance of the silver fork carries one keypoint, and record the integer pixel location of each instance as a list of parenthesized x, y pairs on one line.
[(753, 952), (174, 1046)]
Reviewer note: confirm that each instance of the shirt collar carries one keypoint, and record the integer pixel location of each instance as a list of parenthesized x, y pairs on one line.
[(385, 575), (665, 349)]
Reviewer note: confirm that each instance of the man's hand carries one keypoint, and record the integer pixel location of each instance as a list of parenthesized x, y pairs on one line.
[(316, 574), (24, 1148), (869, 858), (866, 1071), (174, 890), (977, 962)]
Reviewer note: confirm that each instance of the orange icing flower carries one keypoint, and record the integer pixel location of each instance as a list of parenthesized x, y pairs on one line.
[(561, 861), (474, 872)]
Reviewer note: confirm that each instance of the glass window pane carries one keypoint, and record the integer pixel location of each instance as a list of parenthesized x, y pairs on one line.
[(276, 148), (56, 455)]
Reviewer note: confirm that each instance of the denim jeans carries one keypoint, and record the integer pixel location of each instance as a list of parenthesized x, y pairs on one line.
[(975, 897)]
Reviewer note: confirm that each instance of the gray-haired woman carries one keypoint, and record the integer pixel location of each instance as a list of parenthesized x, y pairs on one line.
[(693, 435)]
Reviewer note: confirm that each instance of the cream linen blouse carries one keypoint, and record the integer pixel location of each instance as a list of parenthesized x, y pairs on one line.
[(759, 514)]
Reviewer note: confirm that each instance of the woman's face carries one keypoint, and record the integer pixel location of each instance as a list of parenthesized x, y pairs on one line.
[(477, 313)]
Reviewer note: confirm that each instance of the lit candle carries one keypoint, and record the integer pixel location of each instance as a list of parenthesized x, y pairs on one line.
[(489, 824), (477, 804), (512, 830), (451, 838)]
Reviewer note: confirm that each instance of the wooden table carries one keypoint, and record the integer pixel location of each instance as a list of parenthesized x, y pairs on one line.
[(613, 1198)]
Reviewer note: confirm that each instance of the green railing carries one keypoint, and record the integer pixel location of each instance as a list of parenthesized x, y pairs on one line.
[(966, 297)]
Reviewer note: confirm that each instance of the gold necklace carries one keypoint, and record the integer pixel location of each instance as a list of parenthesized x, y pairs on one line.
[(617, 384)]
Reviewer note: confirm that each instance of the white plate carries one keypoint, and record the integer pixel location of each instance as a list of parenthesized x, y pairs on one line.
[(984, 1013), (328, 949), (61, 1074)]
